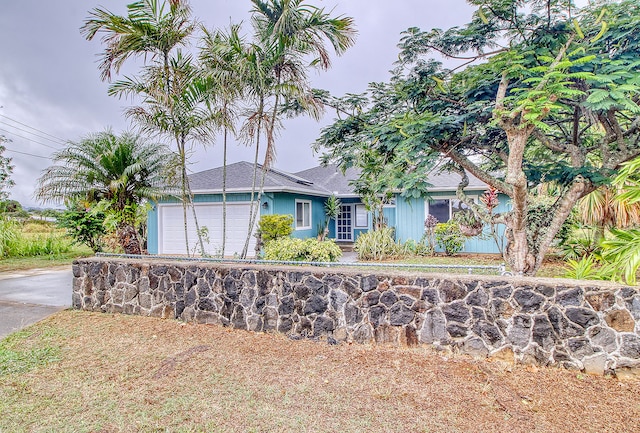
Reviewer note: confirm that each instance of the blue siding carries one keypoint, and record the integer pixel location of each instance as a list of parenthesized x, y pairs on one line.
[(285, 204), (152, 230), (410, 216)]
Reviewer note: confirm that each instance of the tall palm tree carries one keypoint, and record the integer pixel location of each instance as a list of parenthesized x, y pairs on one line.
[(183, 112), (290, 36), (122, 171), (150, 28), (223, 55)]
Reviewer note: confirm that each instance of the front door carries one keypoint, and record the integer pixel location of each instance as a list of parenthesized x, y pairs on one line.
[(344, 226)]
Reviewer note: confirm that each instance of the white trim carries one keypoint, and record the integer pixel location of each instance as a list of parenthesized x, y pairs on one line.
[(354, 218), (475, 198), (295, 214)]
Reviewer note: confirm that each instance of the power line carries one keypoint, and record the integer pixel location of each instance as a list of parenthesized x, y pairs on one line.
[(25, 153), (29, 139), (31, 127), (28, 132)]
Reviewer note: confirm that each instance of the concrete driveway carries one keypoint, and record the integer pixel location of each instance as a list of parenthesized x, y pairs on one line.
[(29, 296)]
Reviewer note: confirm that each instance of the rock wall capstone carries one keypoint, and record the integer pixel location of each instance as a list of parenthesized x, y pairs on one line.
[(574, 324)]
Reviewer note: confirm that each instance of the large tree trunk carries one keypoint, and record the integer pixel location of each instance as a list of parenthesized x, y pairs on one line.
[(128, 238), (517, 252)]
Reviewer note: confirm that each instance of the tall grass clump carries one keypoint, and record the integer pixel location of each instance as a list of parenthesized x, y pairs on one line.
[(16, 242)]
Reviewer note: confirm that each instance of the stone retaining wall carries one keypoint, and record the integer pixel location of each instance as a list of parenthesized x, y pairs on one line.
[(539, 321)]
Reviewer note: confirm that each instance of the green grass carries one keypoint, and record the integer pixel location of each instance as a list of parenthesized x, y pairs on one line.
[(16, 357), (36, 244), (46, 261)]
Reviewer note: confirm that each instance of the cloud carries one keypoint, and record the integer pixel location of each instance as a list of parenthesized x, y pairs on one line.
[(49, 78)]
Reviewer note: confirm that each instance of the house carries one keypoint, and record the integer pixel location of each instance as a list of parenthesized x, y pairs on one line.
[(301, 195)]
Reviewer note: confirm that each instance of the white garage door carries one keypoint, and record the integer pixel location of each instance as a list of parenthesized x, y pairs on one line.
[(171, 229)]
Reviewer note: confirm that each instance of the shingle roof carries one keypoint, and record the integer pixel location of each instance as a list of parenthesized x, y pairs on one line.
[(321, 180), (240, 178), (331, 178)]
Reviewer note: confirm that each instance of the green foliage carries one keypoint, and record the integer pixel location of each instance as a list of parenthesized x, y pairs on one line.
[(413, 248), (468, 223), (560, 95), (586, 268), (332, 211), (275, 226), (377, 245), (85, 226), (302, 250), (15, 243), (622, 250), (449, 238)]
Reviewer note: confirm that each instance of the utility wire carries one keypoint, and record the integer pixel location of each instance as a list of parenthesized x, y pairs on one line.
[(29, 132), (25, 153), (31, 127), (29, 139)]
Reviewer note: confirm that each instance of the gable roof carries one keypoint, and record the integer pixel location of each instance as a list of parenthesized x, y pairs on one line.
[(320, 181), (240, 179), (331, 178)]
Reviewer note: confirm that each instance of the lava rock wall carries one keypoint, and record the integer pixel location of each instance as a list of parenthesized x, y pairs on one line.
[(580, 325)]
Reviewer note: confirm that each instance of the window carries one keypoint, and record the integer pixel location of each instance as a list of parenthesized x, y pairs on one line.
[(303, 214), (361, 216), (443, 209)]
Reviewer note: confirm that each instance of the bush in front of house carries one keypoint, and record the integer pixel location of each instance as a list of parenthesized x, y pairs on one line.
[(275, 226), (377, 245), (449, 238), (302, 250)]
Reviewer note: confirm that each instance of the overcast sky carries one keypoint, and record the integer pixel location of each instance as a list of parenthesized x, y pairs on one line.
[(49, 78)]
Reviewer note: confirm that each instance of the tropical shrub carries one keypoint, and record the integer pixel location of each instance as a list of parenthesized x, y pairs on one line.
[(302, 250), (622, 250), (85, 226), (449, 238), (377, 245), (275, 226)]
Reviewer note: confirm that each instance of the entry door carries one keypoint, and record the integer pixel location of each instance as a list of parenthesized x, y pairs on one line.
[(344, 223)]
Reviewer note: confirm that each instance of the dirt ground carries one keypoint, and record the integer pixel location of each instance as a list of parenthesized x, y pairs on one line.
[(116, 373)]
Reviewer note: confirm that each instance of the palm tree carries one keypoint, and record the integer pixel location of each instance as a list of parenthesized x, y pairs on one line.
[(154, 29), (121, 171), (288, 32), (183, 112), (150, 28), (223, 57)]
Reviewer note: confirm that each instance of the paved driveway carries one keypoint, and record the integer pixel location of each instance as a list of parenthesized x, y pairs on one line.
[(29, 296)]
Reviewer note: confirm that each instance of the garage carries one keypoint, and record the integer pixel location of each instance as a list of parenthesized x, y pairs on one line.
[(171, 229)]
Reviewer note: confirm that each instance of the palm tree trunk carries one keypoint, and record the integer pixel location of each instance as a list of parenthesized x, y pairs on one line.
[(253, 208), (224, 188), (183, 176), (128, 238)]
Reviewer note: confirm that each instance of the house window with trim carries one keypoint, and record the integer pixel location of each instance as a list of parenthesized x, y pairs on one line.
[(444, 209), (303, 214), (362, 219)]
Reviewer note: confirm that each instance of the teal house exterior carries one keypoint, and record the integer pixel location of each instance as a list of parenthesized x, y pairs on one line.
[(302, 195)]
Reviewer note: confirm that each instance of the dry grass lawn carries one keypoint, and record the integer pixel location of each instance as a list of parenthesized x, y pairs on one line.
[(114, 373)]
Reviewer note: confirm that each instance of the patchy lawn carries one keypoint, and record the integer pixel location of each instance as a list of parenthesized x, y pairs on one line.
[(92, 372)]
